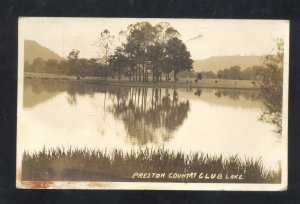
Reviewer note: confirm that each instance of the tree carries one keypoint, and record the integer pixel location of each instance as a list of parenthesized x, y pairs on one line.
[(51, 66), (234, 72), (64, 67), (146, 47), (251, 73), (73, 61), (83, 66), (164, 33), (155, 57), (271, 84), (38, 65), (178, 57), (106, 72), (119, 62), (208, 75), (27, 67), (105, 45), (199, 76), (140, 36)]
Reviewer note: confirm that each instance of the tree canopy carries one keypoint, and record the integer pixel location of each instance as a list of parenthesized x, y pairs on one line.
[(151, 49), (271, 87)]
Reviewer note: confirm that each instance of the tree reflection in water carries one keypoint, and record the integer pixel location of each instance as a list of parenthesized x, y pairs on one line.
[(198, 92), (235, 94), (149, 114)]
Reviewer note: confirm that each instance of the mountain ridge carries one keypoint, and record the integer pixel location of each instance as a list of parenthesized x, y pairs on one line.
[(217, 63), (33, 49)]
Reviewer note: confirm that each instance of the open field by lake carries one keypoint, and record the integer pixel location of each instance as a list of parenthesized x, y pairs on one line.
[(182, 82)]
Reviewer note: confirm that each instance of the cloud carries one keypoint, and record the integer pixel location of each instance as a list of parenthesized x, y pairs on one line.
[(196, 37)]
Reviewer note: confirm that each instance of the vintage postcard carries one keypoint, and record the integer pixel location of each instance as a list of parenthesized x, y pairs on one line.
[(163, 104)]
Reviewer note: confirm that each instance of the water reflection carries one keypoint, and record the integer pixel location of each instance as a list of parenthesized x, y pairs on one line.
[(235, 94), (198, 92), (40, 91), (145, 114), (149, 115), (76, 114)]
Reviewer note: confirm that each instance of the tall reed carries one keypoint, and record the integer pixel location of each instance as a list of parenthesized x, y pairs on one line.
[(118, 165)]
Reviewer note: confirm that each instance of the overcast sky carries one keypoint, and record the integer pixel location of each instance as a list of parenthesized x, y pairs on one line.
[(203, 38)]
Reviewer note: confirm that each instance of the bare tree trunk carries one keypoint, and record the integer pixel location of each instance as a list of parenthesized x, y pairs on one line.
[(140, 76), (153, 75), (136, 75), (144, 77), (156, 76), (132, 74)]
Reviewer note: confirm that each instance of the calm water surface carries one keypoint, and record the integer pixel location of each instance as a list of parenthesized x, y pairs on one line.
[(64, 114)]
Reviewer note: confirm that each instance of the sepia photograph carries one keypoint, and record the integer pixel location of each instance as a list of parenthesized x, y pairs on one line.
[(152, 104)]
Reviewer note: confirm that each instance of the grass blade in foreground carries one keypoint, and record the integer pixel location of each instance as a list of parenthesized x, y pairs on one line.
[(148, 164)]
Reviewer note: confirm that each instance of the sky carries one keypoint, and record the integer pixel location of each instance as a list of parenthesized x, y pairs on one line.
[(203, 38)]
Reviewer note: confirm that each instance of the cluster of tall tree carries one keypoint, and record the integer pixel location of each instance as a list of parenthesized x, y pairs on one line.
[(148, 51)]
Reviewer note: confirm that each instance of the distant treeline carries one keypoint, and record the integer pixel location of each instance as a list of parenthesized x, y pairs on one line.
[(234, 72), (90, 67), (84, 67)]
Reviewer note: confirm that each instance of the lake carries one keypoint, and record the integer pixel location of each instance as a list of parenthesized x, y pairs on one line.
[(214, 121)]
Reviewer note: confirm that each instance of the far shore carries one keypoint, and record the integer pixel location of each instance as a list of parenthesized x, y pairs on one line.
[(181, 83)]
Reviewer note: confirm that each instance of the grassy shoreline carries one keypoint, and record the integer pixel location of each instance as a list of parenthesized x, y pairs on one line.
[(182, 83), (117, 166)]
